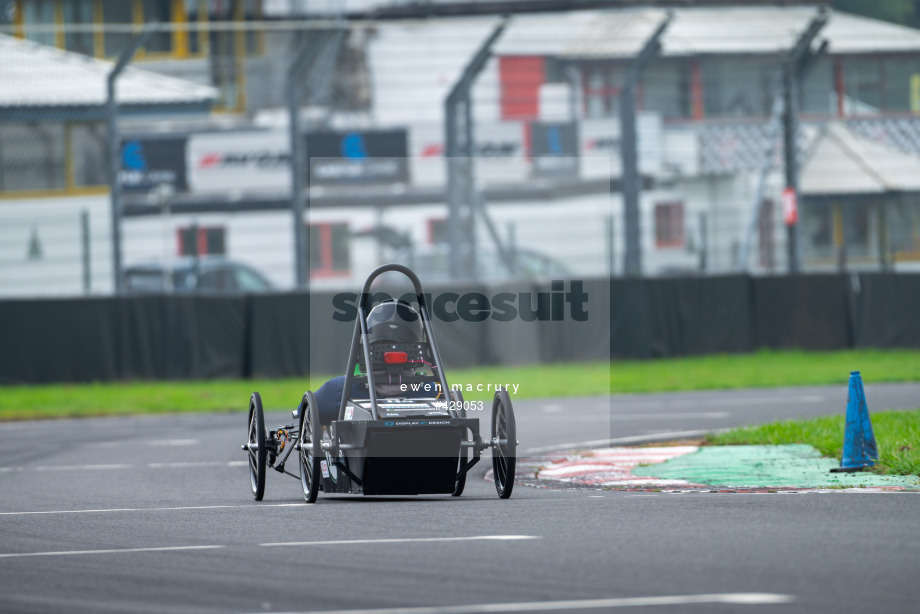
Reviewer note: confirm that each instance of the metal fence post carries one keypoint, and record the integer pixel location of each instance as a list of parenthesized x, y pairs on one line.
[(632, 263), (306, 59), (114, 148), (799, 60), (704, 242), (305, 56), (461, 183), (609, 244), (85, 250)]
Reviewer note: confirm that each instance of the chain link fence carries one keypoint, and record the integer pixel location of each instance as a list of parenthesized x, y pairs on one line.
[(261, 154)]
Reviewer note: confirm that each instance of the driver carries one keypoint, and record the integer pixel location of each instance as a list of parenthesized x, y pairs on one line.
[(391, 321)]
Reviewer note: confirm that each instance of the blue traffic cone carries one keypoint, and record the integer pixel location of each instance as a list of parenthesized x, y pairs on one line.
[(859, 449)]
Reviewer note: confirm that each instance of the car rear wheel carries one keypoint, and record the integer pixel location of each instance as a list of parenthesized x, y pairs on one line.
[(256, 446), (504, 448), (310, 447)]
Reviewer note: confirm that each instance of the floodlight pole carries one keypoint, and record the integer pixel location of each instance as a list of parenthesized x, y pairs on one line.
[(799, 60), (458, 154), (114, 148), (632, 263)]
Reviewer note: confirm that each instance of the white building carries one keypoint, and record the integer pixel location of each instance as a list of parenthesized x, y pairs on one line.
[(704, 142)]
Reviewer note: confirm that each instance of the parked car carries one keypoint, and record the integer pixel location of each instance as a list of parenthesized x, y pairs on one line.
[(185, 275), (433, 266)]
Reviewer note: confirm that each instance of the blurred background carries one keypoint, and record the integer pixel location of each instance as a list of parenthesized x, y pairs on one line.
[(251, 146), (471, 140)]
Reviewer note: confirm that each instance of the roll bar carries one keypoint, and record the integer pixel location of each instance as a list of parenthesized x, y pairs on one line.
[(396, 268), (359, 338)]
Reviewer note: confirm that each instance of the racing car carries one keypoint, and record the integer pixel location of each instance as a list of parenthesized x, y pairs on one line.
[(386, 442)]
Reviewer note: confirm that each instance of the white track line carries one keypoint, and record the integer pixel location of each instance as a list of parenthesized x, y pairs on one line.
[(580, 604), (17, 555), (670, 416), (741, 401), (171, 442), (767, 400), (66, 468), (177, 465), (153, 509), (187, 465), (598, 443), (405, 540)]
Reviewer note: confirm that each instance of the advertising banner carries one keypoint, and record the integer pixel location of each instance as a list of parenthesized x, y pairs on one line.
[(359, 157), (148, 162), (248, 161), (554, 147), (499, 147)]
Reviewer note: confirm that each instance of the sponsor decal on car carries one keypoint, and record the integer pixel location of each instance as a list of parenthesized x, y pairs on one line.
[(417, 423), (403, 406)]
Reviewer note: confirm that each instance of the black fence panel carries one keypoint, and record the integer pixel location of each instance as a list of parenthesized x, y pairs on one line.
[(886, 310), (461, 342), (103, 339), (179, 337), (808, 312), (699, 315), (630, 320), (657, 318), (513, 342), (583, 333), (57, 341), (295, 334), (278, 335)]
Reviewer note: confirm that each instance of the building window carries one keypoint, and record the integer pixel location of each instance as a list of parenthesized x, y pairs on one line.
[(88, 145), (49, 157), (117, 13), (521, 78), (196, 15), (601, 85), (669, 224), (32, 157), (202, 241), (52, 22), (190, 38), (903, 220), (79, 13), (438, 231), (902, 85), (739, 87), (156, 11), (870, 87), (666, 89), (38, 13), (329, 250), (817, 94), (864, 87), (828, 227)]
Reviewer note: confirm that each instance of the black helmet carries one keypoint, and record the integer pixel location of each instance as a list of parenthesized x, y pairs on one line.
[(394, 321)]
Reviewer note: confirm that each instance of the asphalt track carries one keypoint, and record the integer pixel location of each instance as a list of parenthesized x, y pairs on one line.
[(154, 514)]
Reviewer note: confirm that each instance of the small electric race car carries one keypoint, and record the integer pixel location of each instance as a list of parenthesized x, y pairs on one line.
[(386, 443)]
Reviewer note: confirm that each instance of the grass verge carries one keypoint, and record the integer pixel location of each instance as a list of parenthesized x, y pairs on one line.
[(759, 370), (897, 434)]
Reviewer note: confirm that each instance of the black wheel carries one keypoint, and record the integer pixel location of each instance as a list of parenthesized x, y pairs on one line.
[(310, 447), (457, 397), (256, 446), (504, 437)]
